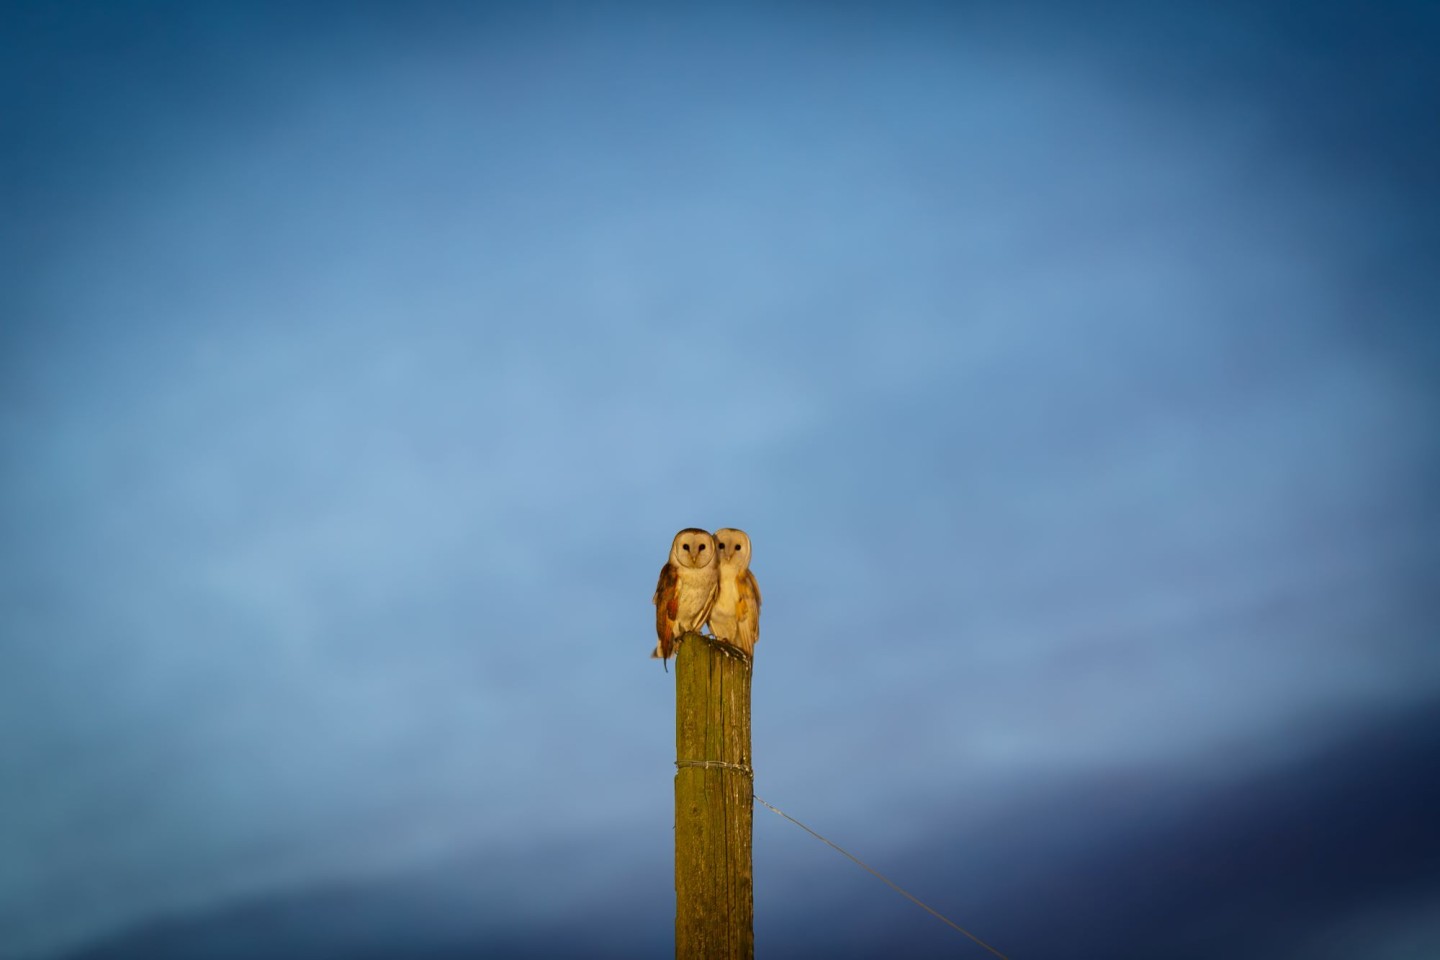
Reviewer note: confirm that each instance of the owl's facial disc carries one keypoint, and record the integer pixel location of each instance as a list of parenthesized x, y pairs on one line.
[(732, 546), (693, 548), (695, 553)]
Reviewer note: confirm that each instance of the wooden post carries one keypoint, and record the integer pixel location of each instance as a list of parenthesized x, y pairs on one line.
[(714, 893)]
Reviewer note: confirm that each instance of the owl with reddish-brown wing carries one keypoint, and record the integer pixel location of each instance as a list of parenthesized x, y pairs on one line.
[(687, 588), (735, 617)]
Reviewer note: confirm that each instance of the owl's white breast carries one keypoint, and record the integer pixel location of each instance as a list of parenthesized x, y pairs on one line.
[(729, 591), (694, 586)]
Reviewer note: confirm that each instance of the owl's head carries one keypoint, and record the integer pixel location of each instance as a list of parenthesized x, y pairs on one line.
[(733, 547), (692, 547)]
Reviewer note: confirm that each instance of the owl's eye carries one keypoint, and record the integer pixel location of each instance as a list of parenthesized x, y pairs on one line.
[(701, 548), (685, 547)]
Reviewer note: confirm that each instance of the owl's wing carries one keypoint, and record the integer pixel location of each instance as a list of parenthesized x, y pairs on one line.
[(667, 592), (667, 608), (747, 612)]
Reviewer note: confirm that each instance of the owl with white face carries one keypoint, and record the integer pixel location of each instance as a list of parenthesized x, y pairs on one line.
[(687, 588), (735, 617)]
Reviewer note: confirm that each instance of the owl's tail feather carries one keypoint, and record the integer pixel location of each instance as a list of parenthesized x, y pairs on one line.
[(658, 654)]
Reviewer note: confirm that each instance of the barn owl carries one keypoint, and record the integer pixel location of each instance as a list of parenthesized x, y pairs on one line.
[(687, 588), (736, 614)]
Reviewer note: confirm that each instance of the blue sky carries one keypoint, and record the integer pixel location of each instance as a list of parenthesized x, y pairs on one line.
[(1073, 372)]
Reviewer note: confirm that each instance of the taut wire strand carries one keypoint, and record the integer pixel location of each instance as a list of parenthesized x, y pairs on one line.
[(894, 886)]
